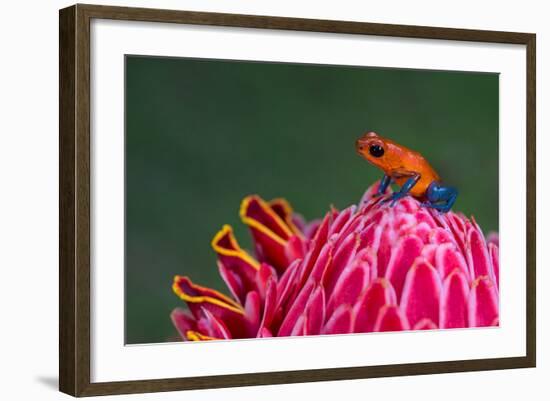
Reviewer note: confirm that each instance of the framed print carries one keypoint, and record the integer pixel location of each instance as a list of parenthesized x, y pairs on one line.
[(280, 200)]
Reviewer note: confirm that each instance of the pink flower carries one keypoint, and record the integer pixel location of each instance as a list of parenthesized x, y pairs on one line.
[(366, 268)]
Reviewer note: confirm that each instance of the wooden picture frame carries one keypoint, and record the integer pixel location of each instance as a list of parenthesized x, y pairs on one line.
[(74, 206)]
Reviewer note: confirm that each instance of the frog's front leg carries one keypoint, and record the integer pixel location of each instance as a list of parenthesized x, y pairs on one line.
[(440, 197), (384, 184), (405, 189)]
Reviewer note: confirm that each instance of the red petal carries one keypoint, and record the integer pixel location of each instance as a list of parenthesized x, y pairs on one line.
[(269, 231), (282, 208), (402, 258), (221, 306), (237, 268), (390, 318), (421, 293), (453, 312), (340, 322), (483, 303), (379, 293), (183, 321), (216, 328)]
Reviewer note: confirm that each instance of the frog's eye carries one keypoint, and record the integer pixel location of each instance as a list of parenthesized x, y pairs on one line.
[(376, 150)]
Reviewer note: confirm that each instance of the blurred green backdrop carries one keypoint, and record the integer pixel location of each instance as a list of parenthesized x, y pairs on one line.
[(202, 134)]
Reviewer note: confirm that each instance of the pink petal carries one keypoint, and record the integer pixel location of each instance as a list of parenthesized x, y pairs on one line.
[(390, 318), (425, 324), (421, 293), (253, 311), (440, 236), (493, 238), (295, 248), (315, 312), (423, 231), (341, 220), (270, 304), (340, 322), (342, 257), (384, 252), (379, 293), (453, 312), (493, 253), (479, 257), (296, 310), (287, 283), (402, 258), (448, 258), (265, 333), (483, 303), (428, 253), (349, 285), (322, 263)]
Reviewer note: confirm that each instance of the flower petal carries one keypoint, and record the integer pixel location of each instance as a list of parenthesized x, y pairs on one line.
[(221, 306), (453, 311), (401, 261), (283, 209), (183, 321), (340, 322), (269, 231), (237, 268), (379, 293), (483, 303), (296, 310), (425, 324), (349, 285), (390, 318), (478, 256), (196, 336), (342, 257), (448, 258), (213, 326), (493, 254), (421, 292), (315, 312)]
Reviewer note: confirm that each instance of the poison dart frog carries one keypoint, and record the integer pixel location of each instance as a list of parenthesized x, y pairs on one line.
[(408, 169)]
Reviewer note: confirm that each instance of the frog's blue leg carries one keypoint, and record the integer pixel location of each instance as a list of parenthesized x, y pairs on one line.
[(404, 191), (384, 184), (440, 197)]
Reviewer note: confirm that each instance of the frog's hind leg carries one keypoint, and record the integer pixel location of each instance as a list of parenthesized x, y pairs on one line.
[(440, 197)]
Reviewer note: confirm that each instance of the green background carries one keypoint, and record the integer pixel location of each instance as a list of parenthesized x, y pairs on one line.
[(202, 134)]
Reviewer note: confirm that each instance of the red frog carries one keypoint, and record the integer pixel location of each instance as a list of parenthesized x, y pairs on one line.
[(407, 169)]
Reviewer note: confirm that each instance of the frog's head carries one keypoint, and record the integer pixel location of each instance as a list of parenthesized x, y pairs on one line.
[(373, 148)]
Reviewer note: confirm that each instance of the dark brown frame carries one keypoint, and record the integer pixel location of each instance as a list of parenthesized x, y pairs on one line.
[(74, 204)]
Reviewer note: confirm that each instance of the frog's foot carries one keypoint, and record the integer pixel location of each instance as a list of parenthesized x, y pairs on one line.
[(440, 197), (393, 198)]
